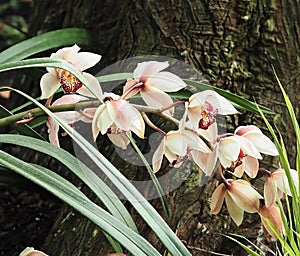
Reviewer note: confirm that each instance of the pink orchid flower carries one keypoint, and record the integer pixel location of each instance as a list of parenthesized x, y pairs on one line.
[(177, 145), (204, 106), (56, 77), (70, 117), (239, 196), (116, 117), (30, 251), (152, 83), (260, 141), (273, 215), (277, 185)]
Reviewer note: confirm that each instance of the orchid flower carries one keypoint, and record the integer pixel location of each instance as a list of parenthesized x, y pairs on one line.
[(273, 215), (116, 117), (56, 77), (177, 145), (277, 184), (30, 251), (152, 83), (239, 196), (260, 141), (70, 117), (204, 106)]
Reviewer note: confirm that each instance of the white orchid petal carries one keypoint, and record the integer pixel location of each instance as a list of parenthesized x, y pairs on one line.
[(247, 146), (120, 140), (147, 68), (195, 142), (235, 212), (53, 129), (244, 195), (158, 156), (157, 98), (229, 150), (49, 84), (176, 143), (206, 161), (251, 166), (103, 118), (93, 82), (166, 81), (84, 60)]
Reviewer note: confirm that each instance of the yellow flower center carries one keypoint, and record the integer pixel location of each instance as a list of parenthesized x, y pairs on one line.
[(69, 83)]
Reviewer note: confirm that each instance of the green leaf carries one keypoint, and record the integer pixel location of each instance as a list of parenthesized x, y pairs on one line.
[(142, 206), (67, 192), (247, 249), (152, 176), (104, 193), (49, 40)]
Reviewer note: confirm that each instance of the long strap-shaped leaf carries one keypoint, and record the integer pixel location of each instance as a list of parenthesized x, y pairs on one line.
[(45, 42), (67, 192), (104, 193), (143, 207)]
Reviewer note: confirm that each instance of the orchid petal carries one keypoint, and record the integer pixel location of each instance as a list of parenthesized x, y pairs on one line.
[(128, 90), (166, 81), (49, 84), (217, 199), (229, 151), (194, 141), (270, 191), (30, 251), (244, 195), (119, 140), (158, 156), (157, 98), (149, 68), (235, 212), (272, 214), (194, 115), (261, 141), (220, 103), (103, 119), (251, 166), (53, 129), (176, 143), (93, 82), (206, 161), (84, 60), (170, 156), (66, 52), (247, 146)]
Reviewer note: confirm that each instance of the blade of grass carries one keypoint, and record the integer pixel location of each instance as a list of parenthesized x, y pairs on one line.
[(67, 192), (152, 176), (45, 42), (104, 193)]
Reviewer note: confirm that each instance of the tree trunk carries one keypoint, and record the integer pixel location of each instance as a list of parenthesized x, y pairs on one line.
[(232, 43)]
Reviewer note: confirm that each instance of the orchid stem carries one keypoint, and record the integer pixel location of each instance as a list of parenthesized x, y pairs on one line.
[(265, 171), (224, 180), (174, 104)]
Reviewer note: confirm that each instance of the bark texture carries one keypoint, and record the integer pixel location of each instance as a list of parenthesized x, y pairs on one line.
[(232, 43)]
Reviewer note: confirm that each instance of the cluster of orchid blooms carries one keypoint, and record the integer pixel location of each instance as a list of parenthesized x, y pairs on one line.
[(196, 138)]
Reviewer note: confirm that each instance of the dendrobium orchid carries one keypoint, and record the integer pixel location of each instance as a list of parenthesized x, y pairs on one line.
[(277, 185), (239, 196), (30, 251), (56, 77), (70, 117), (152, 83), (116, 117), (204, 106)]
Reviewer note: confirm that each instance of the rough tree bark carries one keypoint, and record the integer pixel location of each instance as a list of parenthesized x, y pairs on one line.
[(231, 43)]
